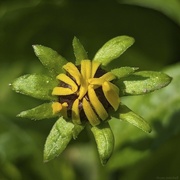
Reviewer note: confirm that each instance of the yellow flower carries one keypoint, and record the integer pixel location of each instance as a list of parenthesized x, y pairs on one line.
[(85, 92)]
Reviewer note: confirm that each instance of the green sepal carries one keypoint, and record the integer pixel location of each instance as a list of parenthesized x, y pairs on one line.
[(44, 111), (113, 49), (77, 129), (123, 71), (35, 85), (105, 141), (50, 59), (79, 51), (142, 82), (126, 114), (58, 139)]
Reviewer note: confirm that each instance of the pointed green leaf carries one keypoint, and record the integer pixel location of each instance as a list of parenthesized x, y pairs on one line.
[(123, 71), (77, 129), (50, 59), (58, 138), (113, 49), (143, 82), (44, 111), (105, 141), (79, 51), (37, 86), (125, 114)]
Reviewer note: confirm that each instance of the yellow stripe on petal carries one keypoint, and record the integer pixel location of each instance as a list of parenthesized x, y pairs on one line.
[(97, 105), (95, 66), (90, 114), (61, 91), (73, 71), (56, 106), (68, 80), (111, 94), (75, 112), (86, 69)]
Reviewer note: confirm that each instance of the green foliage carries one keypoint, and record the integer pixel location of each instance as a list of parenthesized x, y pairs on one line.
[(79, 51), (125, 114), (143, 82), (58, 139), (44, 111), (38, 86), (50, 59), (113, 49), (105, 141), (123, 71)]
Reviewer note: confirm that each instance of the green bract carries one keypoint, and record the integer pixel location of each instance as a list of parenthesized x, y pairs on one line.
[(121, 81)]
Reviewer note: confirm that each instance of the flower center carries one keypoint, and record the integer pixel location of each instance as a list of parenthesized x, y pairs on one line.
[(85, 93)]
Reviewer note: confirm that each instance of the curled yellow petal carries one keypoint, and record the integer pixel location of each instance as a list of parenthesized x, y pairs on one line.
[(83, 89), (68, 80), (86, 74), (111, 93), (61, 91), (97, 105), (99, 81), (95, 66), (56, 106), (86, 69), (73, 71), (96, 81), (75, 112), (90, 114), (108, 76)]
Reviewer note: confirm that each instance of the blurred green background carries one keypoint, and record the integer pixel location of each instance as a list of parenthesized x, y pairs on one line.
[(155, 24)]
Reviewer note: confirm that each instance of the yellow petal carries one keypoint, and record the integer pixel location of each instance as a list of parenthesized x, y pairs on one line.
[(97, 105), (86, 69), (56, 106), (111, 93), (68, 80), (73, 71), (108, 76), (96, 81), (83, 89), (86, 74), (99, 81), (61, 91), (95, 66), (75, 112), (90, 114), (64, 109)]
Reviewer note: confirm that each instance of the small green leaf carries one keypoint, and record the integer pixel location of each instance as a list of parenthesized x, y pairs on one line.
[(37, 86), (125, 114), (50, 59), (77, 129), (58, 138), (44, 111), (123, 71), (113, 49), (79, 51), (105, 141), (143, 82)]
